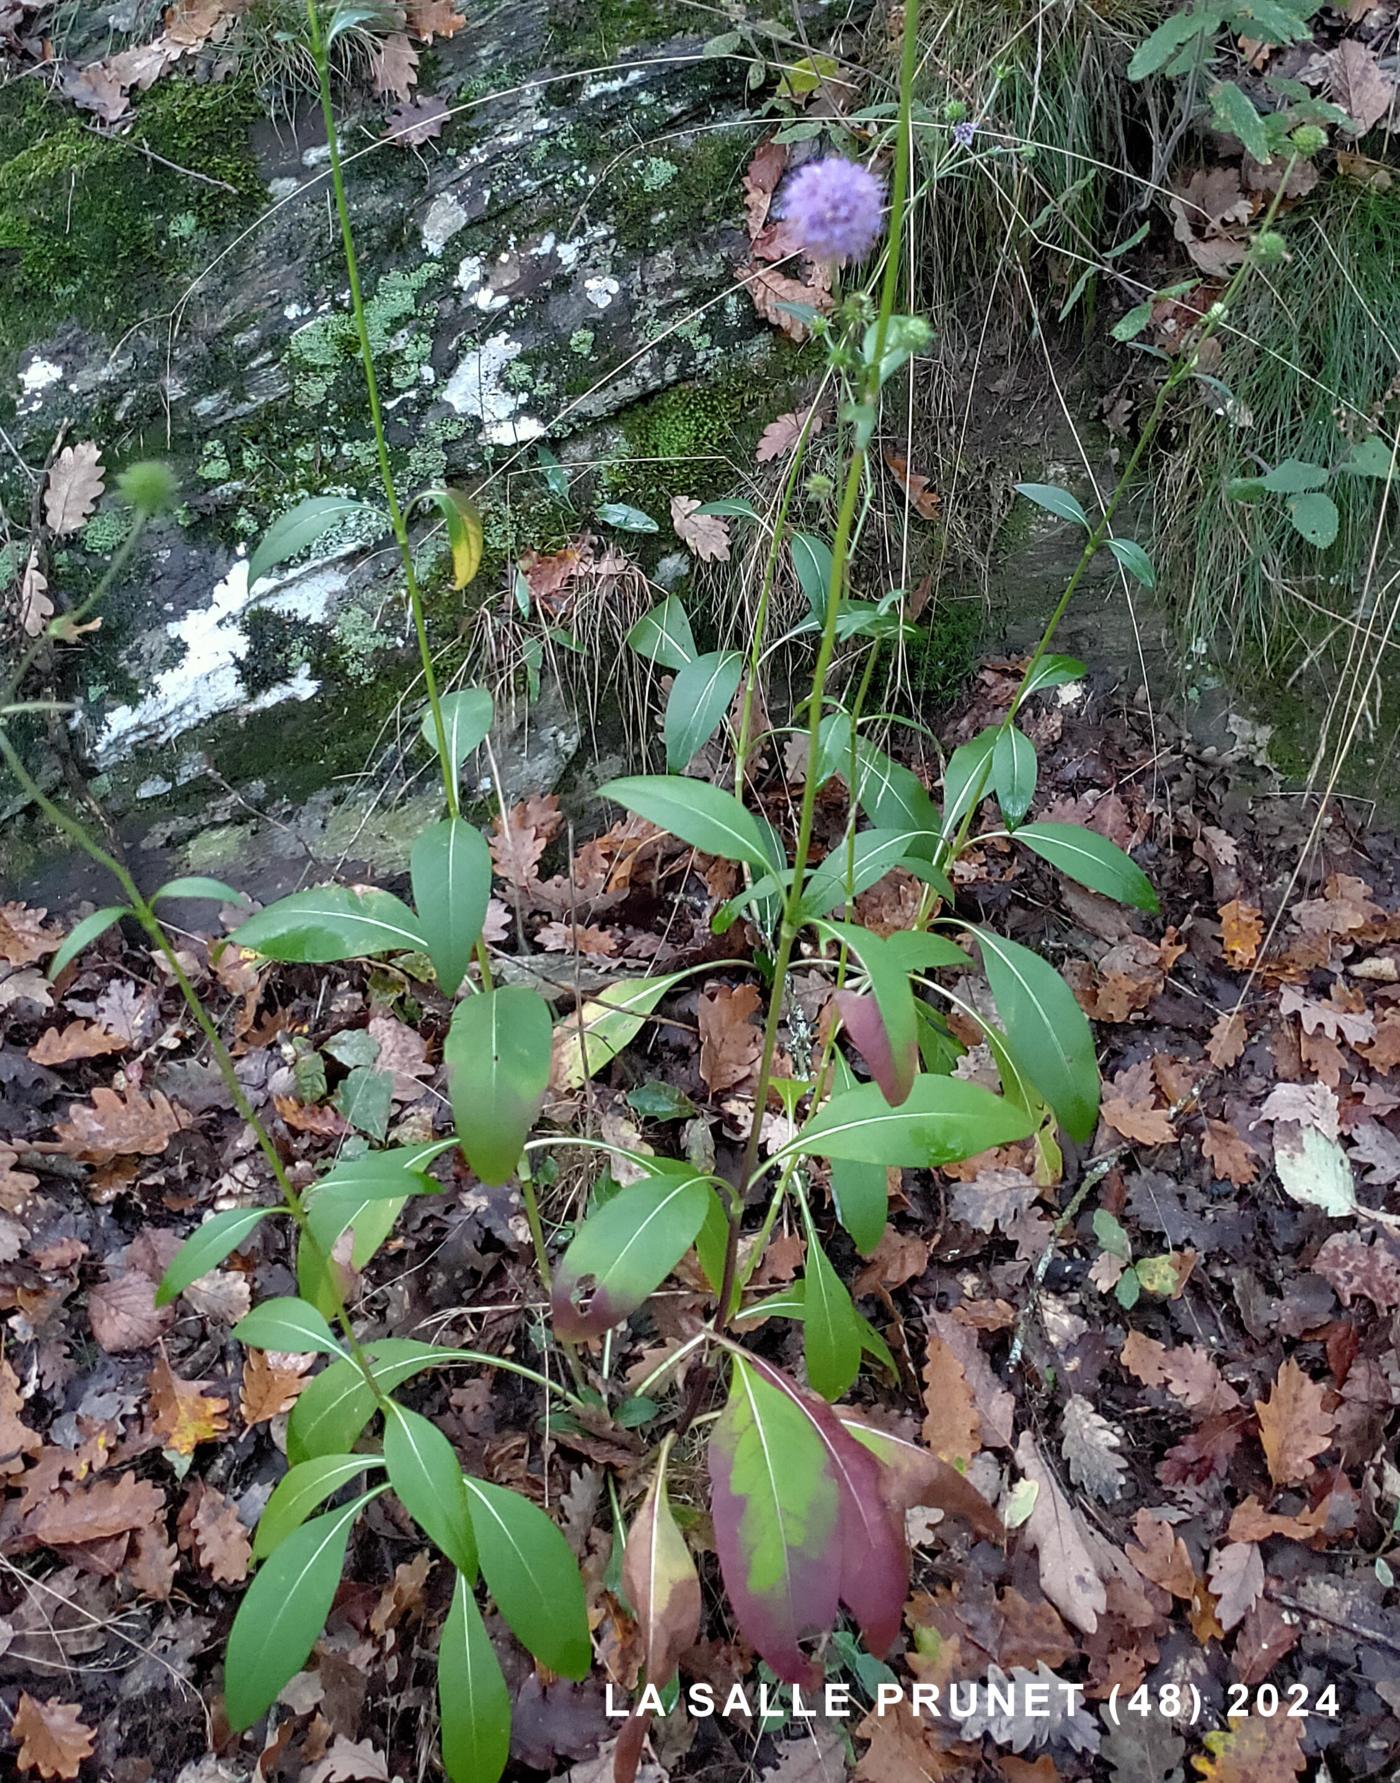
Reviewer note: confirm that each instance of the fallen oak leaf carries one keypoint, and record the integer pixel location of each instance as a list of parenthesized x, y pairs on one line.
[(1229, 1154), (272, 1384), (1253, 1749), (781, 435), (112, 1127), (1241, 931), (79, 1040), (1090, 1445), (1236, 1579), (35, 607), (1294, 1426), (181, 1415), (433, 18), (394, 66), (210, 1529), (925, 501), (420, 121), (52, 1739), (1069, 1576), (952, 1425), (96, 1511), (705, 534), (75, 485), (1359, 85)]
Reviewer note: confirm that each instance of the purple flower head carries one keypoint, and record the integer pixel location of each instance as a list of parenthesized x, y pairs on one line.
[(963, 133), (834, 208)]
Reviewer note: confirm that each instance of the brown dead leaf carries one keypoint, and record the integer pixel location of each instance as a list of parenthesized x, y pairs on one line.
[(124, 1315), (305, 1117), (1188, 1373), (528, 830), (1236, 1580), (1250, 1522), (1228, 1039), (181, 1415), (1162, 1556), (1133, 1110), (760, 181), (96, 88), (394, 66), (17, 1440), (209, 1528), (24, 935), (112, 1127), (1241, 931), (781, 435), (52, 1738), (97, 1511), (16, 1186), (79, 1040), (1231, 1157), (433, 18), (421, 120), (730, 1041), (1209, 214), (76, 481), (1266, 1637), (1069, 1576), (1359, 84), (952, 1427), (190, 24), (35, 607), (1254, 1749), (774, 294), (705, 534), (272, 1384), (925, 500), (1294, 1427)]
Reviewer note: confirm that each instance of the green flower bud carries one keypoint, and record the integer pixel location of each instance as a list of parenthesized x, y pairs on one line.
[(149, 486), (819, 486), (954, 111), (1309, 139), (1269, 246)]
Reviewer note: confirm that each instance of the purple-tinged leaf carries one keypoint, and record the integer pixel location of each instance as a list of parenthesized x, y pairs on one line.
[(777, 1516), (862, 1020), (913, 1475)]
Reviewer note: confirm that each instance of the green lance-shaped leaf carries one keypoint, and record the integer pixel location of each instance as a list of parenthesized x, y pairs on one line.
[(1134, 560), (831, 1342), (331, 923), (811, 560), (299, 528), (198, 885), (497, 1056), (1091, 859), (287, 1323), (589, 1038), (967, 777), (1055, 500), (426, 1475), (466, 718), (533, 1576), (207, 1247), (661, 1583), (851, 869), (385, 1175), (791, 1303), (473, 1701), (84, 934), (1054, 671), (706, 816), (625, 1250), (942, 1120), (300, 1491), (699, 698), (450, 866), (664, 636), (777, 1511), (329, 1416), (894, 798), (283, 1611), (462, 519), (1013, 773), (874, 1558), (1047, 1033), (886, 1030), (859, 1189)]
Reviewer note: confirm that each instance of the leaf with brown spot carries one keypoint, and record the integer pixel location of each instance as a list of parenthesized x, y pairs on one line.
[(181, 1415), (113, 1127), (1236, 1579), (1230, 1156), (952, 1427), (75, 485), (730, 1042), (1294, 1427), (1241, 931), (272, 1384), (52, 1738)]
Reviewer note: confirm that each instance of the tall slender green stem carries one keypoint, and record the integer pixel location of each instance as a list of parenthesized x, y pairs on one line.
[(320, 55), (149, 921), (840, 553)]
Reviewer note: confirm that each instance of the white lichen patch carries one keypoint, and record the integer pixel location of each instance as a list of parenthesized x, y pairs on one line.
[(479, 386), (207, 681), (600, 290), (443, 219), (37, 377)]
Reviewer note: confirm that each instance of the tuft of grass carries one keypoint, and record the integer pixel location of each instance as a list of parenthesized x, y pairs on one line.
[(1314, 366)]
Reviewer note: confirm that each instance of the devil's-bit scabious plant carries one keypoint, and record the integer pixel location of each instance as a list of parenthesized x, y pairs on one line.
[(834, 209)]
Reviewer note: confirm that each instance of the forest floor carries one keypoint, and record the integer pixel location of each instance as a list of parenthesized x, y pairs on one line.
[(1194, 1381)]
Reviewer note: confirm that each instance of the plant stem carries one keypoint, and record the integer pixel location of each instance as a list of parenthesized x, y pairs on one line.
[(224, 1064), (840, 551), (381, 444)]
